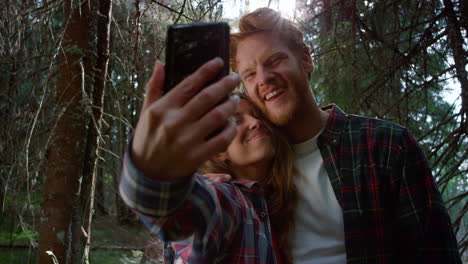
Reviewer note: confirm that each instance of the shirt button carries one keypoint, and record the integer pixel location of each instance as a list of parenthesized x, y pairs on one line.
[(262, 215), (334, 141)]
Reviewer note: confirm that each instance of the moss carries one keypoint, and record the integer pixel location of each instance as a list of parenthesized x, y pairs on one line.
[(21, 237)]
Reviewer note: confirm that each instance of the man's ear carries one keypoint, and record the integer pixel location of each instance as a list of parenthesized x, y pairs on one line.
[(307, 62)]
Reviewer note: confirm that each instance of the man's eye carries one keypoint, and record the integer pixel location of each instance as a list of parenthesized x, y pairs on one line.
[(276, 60), (249, 75)]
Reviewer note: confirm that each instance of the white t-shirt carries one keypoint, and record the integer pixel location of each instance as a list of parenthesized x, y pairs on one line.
[(319, 231)]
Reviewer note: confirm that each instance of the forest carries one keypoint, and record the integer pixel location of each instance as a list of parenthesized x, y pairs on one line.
[(72, 82)]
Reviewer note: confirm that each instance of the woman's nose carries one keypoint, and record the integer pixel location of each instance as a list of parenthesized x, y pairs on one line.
[(253, 122)]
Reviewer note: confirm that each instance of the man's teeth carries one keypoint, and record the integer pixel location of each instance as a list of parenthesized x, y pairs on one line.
[(271, 94)]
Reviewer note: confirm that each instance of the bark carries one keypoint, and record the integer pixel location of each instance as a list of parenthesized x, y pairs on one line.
[(65, 156)]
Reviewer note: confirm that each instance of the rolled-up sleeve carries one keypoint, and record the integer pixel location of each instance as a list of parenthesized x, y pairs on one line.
[(211, 212), (148, 196)]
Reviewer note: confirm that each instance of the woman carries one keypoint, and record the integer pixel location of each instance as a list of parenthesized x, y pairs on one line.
[(244, 221)]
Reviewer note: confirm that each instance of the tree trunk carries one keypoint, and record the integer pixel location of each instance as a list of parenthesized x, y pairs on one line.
[(65, 156), (101, 205), (464, 16), (124, 214), (459, 55), (100, 198), (326, 20), (95, 137)]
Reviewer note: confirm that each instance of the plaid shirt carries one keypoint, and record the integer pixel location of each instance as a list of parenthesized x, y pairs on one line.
[(392, 209), (224, 223)]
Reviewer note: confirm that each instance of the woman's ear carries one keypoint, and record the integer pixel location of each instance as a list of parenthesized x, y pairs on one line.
[(307, 62), (222, 157)]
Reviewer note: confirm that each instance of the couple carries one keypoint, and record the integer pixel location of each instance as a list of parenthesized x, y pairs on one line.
[(321, 186)]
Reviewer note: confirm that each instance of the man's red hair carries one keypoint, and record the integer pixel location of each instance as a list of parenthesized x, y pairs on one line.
[(266, 20)]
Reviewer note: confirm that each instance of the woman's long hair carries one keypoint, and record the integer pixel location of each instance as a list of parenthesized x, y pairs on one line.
[(281, 191)]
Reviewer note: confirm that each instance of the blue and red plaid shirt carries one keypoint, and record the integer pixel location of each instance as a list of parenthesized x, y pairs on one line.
[(392, 209), (207, 222)]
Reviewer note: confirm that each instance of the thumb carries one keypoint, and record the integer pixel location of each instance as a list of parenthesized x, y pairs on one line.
[(154, 87)]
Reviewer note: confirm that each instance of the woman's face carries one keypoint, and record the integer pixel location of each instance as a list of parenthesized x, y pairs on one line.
[(253, 144)]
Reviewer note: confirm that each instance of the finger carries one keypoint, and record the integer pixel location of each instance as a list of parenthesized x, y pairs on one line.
[(215, 119), (218, 177), (211, 96), (154, 87), (195, 82), (225, 178), (216, 144)]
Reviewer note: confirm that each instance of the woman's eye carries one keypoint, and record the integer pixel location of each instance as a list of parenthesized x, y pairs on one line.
[(237, 121)]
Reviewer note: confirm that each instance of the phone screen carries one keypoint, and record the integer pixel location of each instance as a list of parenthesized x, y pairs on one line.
[(191, 45)]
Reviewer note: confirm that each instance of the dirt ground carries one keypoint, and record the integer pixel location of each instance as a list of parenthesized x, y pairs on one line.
[(107, 233)]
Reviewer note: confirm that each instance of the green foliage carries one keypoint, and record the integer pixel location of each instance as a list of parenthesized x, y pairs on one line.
[(16, 231), (23, 256), (18, 237)]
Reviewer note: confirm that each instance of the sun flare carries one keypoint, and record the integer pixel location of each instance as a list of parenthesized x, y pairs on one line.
[(235, 8)]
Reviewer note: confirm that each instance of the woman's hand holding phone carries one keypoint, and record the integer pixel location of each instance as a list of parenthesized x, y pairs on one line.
[(175, 133)]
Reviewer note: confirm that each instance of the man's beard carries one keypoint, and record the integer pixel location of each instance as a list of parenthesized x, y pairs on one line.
[(286, 113), (284, 117)]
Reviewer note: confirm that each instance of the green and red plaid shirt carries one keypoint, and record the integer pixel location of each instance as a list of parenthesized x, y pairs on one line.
[(392, 209)]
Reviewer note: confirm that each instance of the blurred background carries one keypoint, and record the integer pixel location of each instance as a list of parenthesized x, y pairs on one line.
[(72, 80)]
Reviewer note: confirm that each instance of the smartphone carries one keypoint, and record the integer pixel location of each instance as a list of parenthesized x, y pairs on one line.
[(189, 46)]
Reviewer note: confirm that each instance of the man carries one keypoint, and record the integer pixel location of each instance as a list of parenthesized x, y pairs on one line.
[(366, 194)]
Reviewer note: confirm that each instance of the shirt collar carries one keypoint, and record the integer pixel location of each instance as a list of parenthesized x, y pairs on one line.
[(335, 124), (307, 146), (249, 186)]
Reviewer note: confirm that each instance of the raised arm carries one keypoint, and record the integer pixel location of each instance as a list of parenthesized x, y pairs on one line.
[(175, 132), (175, 210)]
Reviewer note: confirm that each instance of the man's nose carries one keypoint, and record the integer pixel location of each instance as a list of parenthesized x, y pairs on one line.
[(264, 76)]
